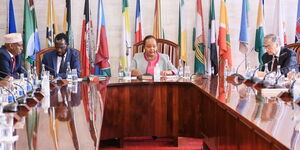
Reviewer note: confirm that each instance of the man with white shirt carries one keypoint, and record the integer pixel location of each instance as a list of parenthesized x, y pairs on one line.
[(276, 55), (56, 60), (11, 56)]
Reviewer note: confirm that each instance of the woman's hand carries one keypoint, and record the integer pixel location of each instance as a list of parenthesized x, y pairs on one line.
[(166, 73), (136, 72)]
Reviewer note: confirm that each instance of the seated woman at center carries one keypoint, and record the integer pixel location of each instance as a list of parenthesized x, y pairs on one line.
[(144, 63)]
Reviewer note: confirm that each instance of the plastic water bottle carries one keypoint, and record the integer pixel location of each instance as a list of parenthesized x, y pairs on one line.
[(43, 71), (35, 78), (69, 72), (121, 71), (74, 75), (46, 91), (226, 69), (296, 91), (279, 76), (266, 68), (156, 73)]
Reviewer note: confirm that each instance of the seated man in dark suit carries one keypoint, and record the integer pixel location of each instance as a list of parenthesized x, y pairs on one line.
[(10, 56), (56, 61), (277, 55)]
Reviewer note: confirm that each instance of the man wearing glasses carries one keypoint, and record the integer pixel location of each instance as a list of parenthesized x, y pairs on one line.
[(10, 56), (276, 55)]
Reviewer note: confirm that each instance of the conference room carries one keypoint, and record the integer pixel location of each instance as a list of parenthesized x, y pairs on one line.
[(186, 74)]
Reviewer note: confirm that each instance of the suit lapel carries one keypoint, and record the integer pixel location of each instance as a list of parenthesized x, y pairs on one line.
[(54, 62)]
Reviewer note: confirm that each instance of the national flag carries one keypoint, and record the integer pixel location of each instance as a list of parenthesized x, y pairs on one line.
[(157, 26), (87, 44), (259, 36), (244, 38), (102, 55), (199, 40), (279, 25), (31, 35), (182, 31), (51, 26), (212, 64), (125, 54), (11, 18), (68, 24), (224, 40), (138, 22), (297, 38)]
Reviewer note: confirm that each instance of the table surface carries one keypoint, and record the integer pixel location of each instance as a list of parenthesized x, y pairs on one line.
[(71, 118)]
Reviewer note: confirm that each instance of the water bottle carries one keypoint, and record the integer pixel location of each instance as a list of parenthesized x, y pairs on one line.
[(42, 72), (226, 68), (29, 79), (296, 91), (156, 73), (46, 91), (74, 75), (121, 71), (69, 72), (279, 76), (266, 68), (180, 69), (35, 78)]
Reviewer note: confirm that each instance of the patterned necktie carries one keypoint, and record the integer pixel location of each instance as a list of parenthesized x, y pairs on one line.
[(13, 62)]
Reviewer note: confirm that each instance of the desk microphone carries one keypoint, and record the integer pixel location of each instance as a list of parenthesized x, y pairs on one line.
[(239, 76)]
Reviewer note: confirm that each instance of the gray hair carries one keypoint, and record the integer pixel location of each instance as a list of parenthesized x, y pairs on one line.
[(272, 37)]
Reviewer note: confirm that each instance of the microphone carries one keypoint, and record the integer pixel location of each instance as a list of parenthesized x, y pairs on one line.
[(236, 76), (127, 48), (11, 107)]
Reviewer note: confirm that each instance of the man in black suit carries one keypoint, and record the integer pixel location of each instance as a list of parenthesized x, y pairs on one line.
[(10, 56), (277, 55)]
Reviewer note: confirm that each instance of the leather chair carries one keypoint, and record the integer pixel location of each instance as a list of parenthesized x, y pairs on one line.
[(39, 58), (163, 46), (296, 48)]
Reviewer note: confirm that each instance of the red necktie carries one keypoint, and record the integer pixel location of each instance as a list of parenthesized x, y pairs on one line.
[(13, 60)]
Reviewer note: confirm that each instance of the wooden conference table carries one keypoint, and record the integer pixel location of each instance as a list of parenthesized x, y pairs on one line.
[(226, 116)]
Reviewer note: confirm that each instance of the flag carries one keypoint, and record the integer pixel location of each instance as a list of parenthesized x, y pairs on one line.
[(31, 35), (212, 54), (125, 53), (297, 39), (11, 18), (157, 27), (279, 22), (244, 41), (199, 40), (102, 55), (259, 36), (138, 23), (224, 40), (182, 31), (51, 27), (87, 44), (68, 24)]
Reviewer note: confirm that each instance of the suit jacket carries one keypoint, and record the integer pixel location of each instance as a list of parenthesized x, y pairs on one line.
[(50, 61), (6, 64), (287, 60), (140, 63)]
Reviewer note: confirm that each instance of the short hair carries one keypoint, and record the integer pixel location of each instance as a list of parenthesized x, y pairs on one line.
[(148, 37), (61, 36), (272, 37)]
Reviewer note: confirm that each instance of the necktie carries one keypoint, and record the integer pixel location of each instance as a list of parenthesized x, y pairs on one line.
[(274, 63), (61, 67), (13, 62)]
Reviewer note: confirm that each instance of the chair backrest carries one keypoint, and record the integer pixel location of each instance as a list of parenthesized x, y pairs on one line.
[(163, 46), (296, 48), (39, 58)]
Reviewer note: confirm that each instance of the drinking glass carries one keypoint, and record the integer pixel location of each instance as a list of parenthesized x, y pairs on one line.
[(187, 72)]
